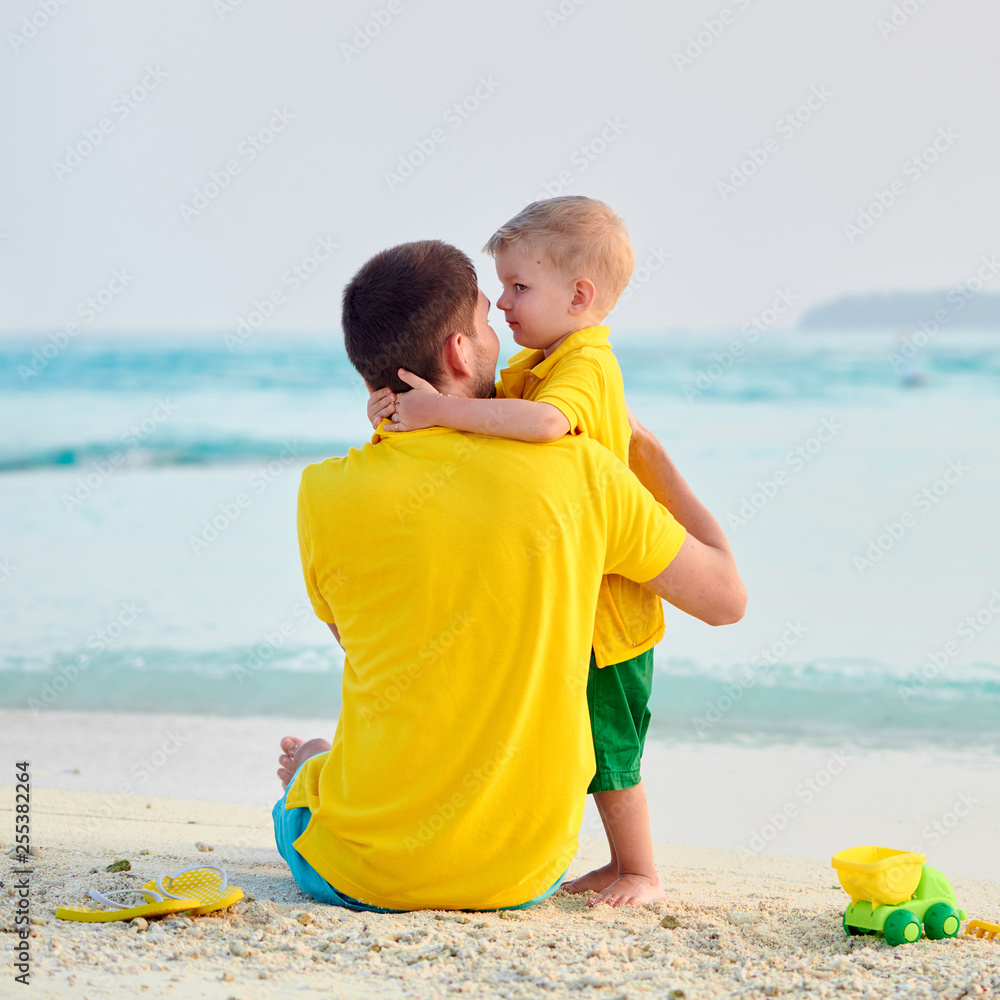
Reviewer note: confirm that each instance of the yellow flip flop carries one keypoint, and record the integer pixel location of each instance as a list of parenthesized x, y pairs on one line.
[(207, 885), (155, 906)]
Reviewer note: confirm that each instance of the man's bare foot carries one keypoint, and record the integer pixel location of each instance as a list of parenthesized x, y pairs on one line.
[(294, 752), (629, 890), (595, 881)]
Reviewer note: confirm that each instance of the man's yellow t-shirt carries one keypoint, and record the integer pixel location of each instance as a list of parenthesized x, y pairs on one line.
[(462, 572), (581, 378)]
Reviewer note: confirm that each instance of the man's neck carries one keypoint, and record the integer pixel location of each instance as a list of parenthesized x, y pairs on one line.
[(456, 387)]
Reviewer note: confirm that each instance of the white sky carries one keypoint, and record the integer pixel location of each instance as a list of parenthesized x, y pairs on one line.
[(556, 85)]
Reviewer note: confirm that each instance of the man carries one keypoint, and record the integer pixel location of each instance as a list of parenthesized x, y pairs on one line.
[(461, 573)]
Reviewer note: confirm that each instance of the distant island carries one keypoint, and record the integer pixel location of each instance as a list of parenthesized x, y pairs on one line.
[(961, 306)]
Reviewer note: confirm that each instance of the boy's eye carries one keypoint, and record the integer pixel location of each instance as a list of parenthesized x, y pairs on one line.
[(520, 287)]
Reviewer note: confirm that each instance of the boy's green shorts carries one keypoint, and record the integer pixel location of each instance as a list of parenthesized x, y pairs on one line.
[(618, 699)]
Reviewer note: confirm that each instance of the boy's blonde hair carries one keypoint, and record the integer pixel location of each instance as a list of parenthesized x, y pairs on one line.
[(581, 236)]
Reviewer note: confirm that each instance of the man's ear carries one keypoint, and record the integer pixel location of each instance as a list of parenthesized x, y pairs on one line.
[(584, 295), (456, 355)]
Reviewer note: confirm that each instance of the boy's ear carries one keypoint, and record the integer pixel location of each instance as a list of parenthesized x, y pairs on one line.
[(584, 296)]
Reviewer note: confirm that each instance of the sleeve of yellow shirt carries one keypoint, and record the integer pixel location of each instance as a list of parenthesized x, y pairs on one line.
[(309, 570), (499, 387), (643, 536), (577, 386)]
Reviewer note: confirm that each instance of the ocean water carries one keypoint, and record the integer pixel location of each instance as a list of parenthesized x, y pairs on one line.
[(148, 559)]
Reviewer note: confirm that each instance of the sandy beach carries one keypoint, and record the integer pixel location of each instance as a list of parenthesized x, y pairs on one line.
[(735, 923)]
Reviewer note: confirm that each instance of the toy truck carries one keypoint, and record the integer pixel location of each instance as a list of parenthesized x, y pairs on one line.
[(892, 892)]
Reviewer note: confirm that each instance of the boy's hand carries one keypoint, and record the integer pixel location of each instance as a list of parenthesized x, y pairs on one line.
[(633, 423), (636, 431), (413, 409), (381, 404)]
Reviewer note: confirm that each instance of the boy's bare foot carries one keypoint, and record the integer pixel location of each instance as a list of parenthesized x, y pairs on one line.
[(293, 752), (595, 881), (629, 890)]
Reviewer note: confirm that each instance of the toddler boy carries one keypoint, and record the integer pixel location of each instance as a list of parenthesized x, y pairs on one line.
[(563, 264)]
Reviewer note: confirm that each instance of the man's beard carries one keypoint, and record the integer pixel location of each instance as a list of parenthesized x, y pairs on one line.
[(484, 386)]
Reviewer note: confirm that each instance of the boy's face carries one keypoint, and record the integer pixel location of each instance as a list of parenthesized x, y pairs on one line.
[(536, 298)]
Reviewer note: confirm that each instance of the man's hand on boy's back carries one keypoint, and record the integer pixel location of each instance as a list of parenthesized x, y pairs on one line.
[(408, 411)]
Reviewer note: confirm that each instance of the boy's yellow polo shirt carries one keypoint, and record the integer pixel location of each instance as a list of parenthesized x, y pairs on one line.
[(462, 572), (581, 378)]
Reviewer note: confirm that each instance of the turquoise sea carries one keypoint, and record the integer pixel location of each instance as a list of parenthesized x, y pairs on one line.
[(148, 559)]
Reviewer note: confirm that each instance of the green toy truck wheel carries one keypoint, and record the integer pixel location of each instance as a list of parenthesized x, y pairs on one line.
[(941, 921), (901, 927)]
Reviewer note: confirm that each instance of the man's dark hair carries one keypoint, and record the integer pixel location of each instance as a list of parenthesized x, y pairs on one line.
[(402, 305)]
